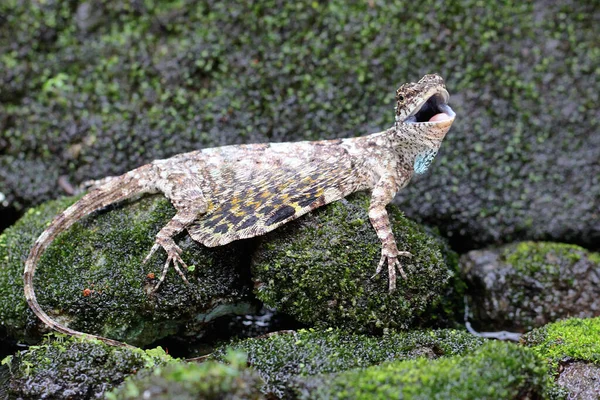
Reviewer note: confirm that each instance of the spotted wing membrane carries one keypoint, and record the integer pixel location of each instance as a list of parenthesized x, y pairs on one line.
[(275, 196)]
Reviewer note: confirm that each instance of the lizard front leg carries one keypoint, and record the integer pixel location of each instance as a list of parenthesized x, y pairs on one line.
[(382, 194)]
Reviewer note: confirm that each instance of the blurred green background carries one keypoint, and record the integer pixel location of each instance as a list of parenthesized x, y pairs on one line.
[(96, 88)]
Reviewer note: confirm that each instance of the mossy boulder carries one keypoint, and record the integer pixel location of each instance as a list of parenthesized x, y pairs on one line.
[(94, 88), (209, 380), (319, 269), (572, 349), (65, 367), (283, 358), (496, 370), (563, 341), (92, 277), (525, 285)]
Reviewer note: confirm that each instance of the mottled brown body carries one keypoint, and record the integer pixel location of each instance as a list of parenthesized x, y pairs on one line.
[(234, 192)]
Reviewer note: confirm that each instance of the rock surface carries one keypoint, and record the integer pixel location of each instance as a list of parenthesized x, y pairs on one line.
[(581, 379), (317, 270), (526, 285)]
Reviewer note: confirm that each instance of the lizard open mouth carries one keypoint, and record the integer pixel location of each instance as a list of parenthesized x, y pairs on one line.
[(434, 109)]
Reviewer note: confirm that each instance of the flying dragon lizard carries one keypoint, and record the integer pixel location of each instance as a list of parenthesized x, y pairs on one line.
[(228, 193)]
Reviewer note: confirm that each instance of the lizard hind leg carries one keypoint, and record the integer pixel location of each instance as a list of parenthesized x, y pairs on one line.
[(164, 240)]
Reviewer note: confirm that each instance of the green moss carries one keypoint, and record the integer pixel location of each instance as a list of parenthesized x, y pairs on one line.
[(64, 366), (573, 338), (496, 370), (104, 253), (319, 270), (281, 358), (544, 257), (209, 380)]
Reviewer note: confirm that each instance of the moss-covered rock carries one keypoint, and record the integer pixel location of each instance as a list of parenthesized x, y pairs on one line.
[(496, 370), (525, 285), (281, 359), (319, 269), (572, 349), (65, 367), (95, 88), (209, 380), (92, 277), (571, 339)]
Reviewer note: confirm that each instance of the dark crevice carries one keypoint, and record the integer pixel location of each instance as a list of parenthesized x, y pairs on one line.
[(8, 216)]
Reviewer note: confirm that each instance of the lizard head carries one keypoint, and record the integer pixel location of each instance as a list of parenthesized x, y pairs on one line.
[(423, 117), (425, 103)]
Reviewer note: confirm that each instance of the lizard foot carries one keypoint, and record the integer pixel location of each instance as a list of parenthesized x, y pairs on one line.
[(173, 256), (393, 265)]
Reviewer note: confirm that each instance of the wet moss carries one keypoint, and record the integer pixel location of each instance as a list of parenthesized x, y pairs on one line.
[(496, 370), (67, 367), (92, 277), (281, 359), (319, 269), (209, 380)]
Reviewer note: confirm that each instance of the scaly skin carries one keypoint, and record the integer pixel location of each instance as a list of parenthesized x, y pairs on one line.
[(235, 192)]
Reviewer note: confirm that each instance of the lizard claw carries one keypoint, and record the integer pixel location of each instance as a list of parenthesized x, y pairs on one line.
[(173, 256), (151, 252), (379, 266), (393, 266)]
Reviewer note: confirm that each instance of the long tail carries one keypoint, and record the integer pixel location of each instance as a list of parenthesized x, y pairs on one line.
[(114, 190)]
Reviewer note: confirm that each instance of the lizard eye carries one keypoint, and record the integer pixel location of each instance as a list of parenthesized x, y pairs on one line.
[(400, 97)]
